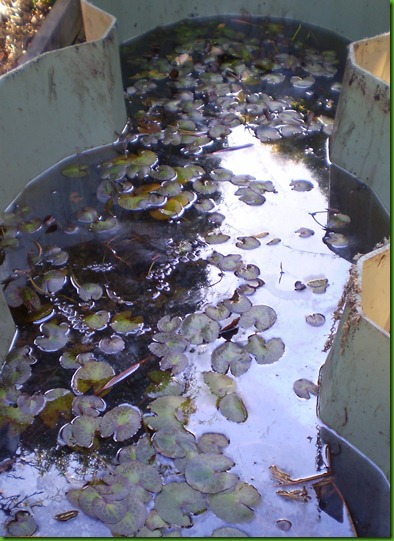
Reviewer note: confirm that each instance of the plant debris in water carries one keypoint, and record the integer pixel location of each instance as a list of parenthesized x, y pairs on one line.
[(117, 290)]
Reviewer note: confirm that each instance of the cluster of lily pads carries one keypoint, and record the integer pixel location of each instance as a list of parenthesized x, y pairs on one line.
[(93, 319)]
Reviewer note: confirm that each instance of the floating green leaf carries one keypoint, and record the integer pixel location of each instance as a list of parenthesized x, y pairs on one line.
[(168, 323), (146, 476), (90, 291), (98, 320), (52, 281), (81, 431), (55, 336), (212, 442), (301, 185), (319, 285), (199, 328), (218, 312), (88, 405), (228, 531), (315, 320), (303, 388), (247, 243), (233, 408), (305, 232), (125, 323), (219, 384), (238, 303), (31, 405), (22, 524), (174, 443), (92, 376), (122, 422), (265, 352), (75, 170), (207, 473), (236, 506), (177, 501), (230, 356), (111, 344), (133, 520), (87, 215), (262, 317), (170, 412)]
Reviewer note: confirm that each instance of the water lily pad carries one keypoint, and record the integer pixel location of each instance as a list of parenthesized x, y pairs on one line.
[(22, 524), (250, 197), (111, 344), (168, 323), (92, 376), (55, 255), (104, 224), (235, 506), (305, 232), (303, 388), (301, 185), (336, 240), (208, 473), (199, 329), (57, 402), (140, 475), (88, 405), (212, 442), (238, 303), (216, 238), (81, 431), (31, 405), (315, 320), (299, 286), (122, 422), (233, 408), (248, 272), (163, 172), (52, 281), (319, 285), (110, 512), (204, 205), (189, 173), (265, 352), (220, 174), (262, 317), (274, 242), (219, 384), (218, 312), (87, 215), (177, 501), (75, 170), (90, 291), (267, 134), (172, 340), (230, 356), (133, 520), (205, 186), (174, 361), (171, 210), (169, 412), (125, 322), (55, 336), (17, 295), (131, 201), (174, 443), (98, 320), (247, 243)]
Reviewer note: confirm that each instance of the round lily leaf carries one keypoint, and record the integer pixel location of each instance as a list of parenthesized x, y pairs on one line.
[(265, 352), (132, 521), (131, 201), (250, 197), (172, 340), (174, 361), (97, 321), (57, 402), (301, 185), (177, 501), (53, 281), (55, 255), (174, 443), (216, 238), (125, 323), (163, 172), (75, 170), (171, 210), (84, 498), (23, 524), (189, 173), (303, 388), (262, 317), (111, 345), (315, 320), (140, 475), (233, 356), (218, 312), (207, 473), (199, 328), (212, 442), (233, 408), (238, 304), (247, 243), (31, 405), (219, 384), (16, 295), (122, 422), (170, 412), (236, 506), (55, 336), (90, 291), (168, 324), (110, 512), (318, 286), (248, 272), (81, 431), (91, 376), (87, 215), (88, 405), (221, 174), (305, 232), (205, 186), (102, 224)]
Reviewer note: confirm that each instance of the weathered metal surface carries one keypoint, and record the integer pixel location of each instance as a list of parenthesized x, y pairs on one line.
[(360, 141)]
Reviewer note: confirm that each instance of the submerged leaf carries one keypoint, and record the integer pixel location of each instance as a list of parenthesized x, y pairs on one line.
[(177, 501)]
